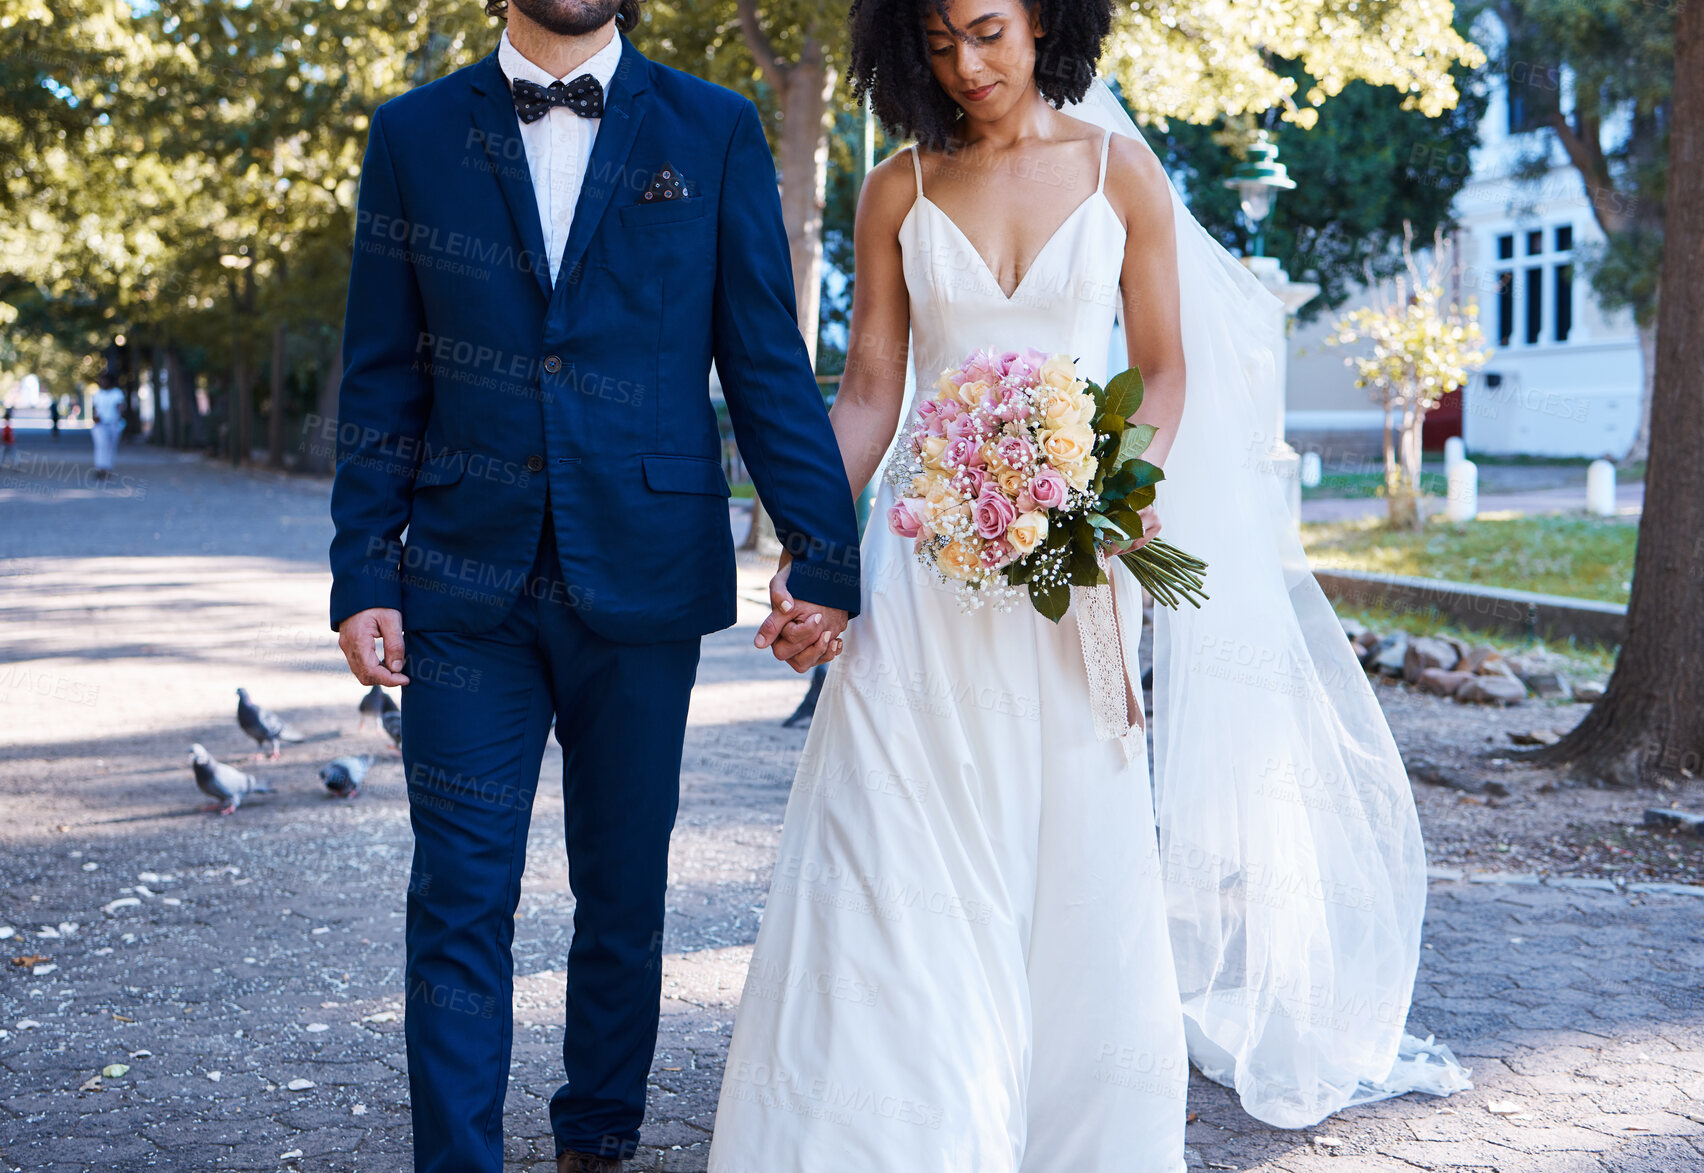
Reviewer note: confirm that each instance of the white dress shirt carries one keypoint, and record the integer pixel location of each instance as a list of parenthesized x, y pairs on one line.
[(559, 145)]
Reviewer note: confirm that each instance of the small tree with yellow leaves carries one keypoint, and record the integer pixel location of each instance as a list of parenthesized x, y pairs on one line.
[(1423, 347)]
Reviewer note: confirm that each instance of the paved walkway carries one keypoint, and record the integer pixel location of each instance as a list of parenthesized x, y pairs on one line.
[(224, 961), (1629, 501)]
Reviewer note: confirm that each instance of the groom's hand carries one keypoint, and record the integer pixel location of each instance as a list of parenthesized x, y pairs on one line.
[(355, 636), (802, 634)]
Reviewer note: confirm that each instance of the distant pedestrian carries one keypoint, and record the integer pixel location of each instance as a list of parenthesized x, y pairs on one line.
[(8, 444), (53, 414), (108, 411)]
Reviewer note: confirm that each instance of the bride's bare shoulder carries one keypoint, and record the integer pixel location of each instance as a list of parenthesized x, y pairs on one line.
[(1136, 184), (889, 190)]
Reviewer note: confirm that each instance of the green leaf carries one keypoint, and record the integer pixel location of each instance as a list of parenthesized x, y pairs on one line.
[(1134, 441), (1051, 601), (1105, 525), (1124, 393)]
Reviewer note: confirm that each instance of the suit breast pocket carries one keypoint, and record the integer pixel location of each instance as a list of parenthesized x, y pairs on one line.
[(666, 212)]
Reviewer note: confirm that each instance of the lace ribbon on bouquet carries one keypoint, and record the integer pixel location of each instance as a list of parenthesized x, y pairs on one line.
[(1103, 658)]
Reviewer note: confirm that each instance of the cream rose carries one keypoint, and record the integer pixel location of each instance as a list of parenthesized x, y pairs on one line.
[(1062, 407), (923, 482), (958, 560), (1028, 531), (933, 448), (1079, 475), (1068, 445), (971, 393), (1011, 481), (1058, 372), (940, 498)]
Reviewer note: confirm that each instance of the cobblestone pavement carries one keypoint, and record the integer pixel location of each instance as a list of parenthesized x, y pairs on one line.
[(223, 961)]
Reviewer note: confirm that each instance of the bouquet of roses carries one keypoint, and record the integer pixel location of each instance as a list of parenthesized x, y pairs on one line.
[(1018, 472)]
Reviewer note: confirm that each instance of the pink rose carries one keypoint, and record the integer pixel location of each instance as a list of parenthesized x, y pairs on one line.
[(993, 512), (962, 454), (998, 553), (1049, 489), (1015, 451), (1026, 502), (961, 427), (905, 518), (929, 416), (983, 365), (971, 482)]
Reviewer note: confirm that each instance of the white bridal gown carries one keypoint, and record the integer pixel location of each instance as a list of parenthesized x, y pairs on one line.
[(964, 964)]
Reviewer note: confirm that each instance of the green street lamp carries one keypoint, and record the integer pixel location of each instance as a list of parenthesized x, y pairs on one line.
[(1257, 179)]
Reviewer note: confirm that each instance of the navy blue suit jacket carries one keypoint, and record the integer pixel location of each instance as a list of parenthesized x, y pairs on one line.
[(476, 382)]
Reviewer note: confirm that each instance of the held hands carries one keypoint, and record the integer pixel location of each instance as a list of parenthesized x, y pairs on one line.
[(355, 636), (802, 634)]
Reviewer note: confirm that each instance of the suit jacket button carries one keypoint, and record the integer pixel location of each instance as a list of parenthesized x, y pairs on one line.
[(535, 464), (552, 364)]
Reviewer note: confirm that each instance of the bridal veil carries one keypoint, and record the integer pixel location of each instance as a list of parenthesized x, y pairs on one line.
[(1290, 849)]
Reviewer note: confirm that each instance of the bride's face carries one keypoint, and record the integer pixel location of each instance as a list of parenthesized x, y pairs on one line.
[(982, 53)]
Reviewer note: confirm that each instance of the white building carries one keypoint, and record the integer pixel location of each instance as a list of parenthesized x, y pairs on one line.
[(1564, 378)]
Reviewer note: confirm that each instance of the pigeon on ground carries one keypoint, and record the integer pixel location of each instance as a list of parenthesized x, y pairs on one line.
[(376, 704), (807, 707), (343, 776), (226, 785), (392, 721), (265, 726)]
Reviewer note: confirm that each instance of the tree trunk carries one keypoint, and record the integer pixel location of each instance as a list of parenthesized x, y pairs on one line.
[(803, 88), (804, 180), (162, 433), (275, 408), (1649, 726), (319, 441), (1641, 447)]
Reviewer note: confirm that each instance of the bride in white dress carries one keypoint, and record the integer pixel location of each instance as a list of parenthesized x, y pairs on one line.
[(991, 943)]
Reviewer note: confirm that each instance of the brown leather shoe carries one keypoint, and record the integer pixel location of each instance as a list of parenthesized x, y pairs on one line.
[(572, 1162)]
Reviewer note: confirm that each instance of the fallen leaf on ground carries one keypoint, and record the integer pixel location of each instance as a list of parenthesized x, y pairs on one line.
[(115, 1070), (299, 1085), (1504, 1107), (92, 1084), (30, 959)]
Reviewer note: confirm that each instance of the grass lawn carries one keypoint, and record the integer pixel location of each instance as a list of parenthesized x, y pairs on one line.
[(1556, 554)]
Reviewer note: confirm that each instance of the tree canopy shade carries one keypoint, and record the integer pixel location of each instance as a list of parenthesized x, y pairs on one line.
[(1200, 59), (184, 172)]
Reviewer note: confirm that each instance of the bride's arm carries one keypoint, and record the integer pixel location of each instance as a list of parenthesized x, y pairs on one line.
[(1148, 284), (872, 391)]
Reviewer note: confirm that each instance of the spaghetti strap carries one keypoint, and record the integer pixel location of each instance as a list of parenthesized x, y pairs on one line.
[(1106, 141), (917, 166)]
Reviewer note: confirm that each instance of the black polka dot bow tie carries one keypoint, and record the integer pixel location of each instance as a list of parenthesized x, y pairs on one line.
[(584, 96)]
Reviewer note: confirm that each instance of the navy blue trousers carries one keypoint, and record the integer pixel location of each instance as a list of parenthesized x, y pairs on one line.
[(475, 718)]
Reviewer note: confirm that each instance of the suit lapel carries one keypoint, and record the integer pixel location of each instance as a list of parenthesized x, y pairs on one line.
[(500, 132), (624, 109)]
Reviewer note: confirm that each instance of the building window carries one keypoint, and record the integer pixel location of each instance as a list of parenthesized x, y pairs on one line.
[(1564, 300), (1521, 290), (1534, 304)]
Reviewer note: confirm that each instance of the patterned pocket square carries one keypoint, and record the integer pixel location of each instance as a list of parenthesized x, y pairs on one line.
[(666, 185)]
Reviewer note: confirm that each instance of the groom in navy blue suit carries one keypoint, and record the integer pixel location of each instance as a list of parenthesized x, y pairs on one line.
[(552, 246)]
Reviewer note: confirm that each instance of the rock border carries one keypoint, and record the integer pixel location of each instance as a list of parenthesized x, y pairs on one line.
[(1536, 879)]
